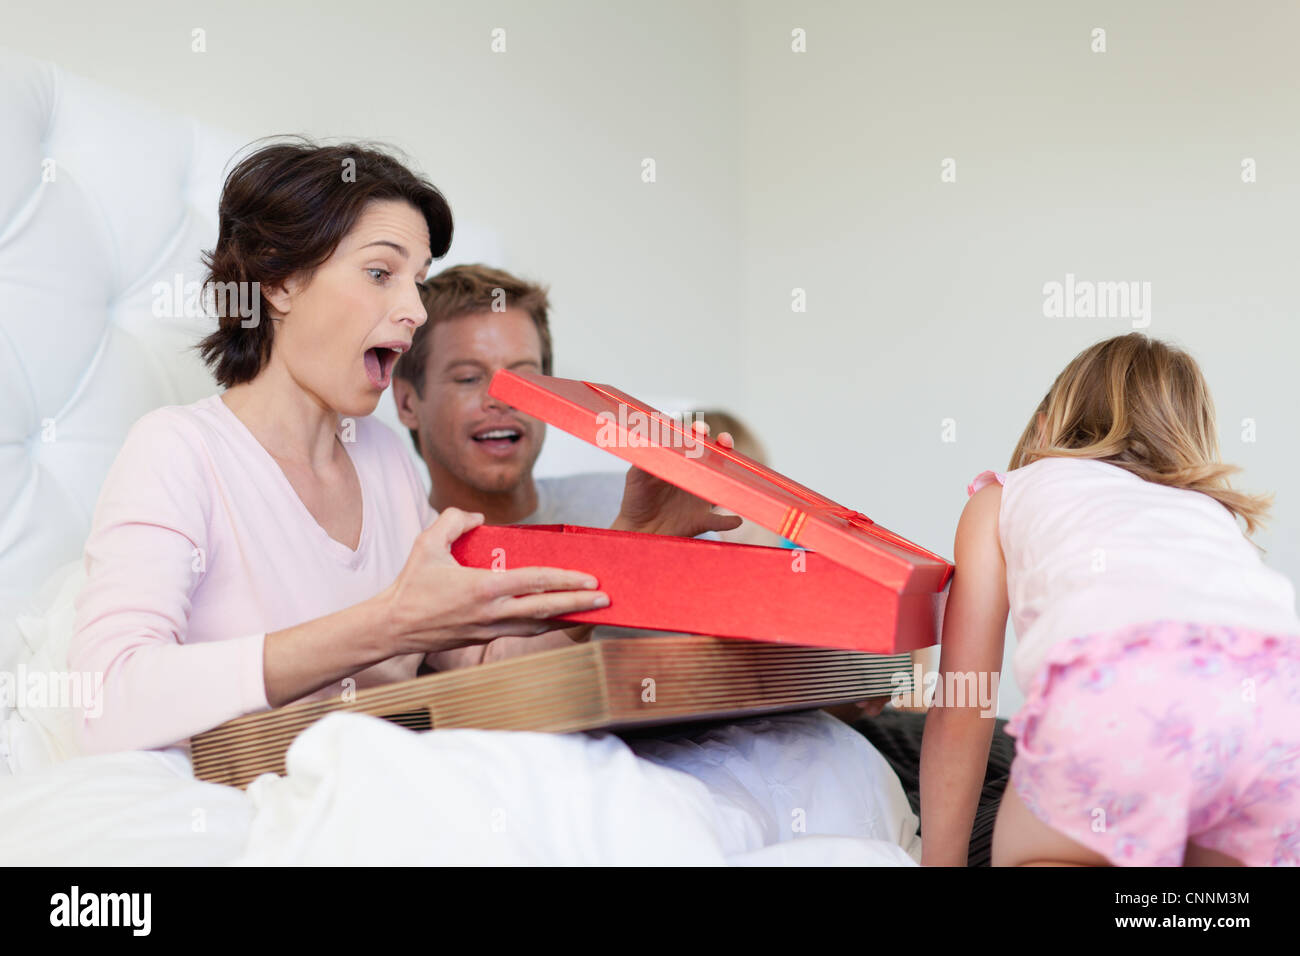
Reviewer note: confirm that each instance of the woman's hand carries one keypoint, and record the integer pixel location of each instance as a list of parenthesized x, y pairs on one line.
[(437, 605), (654, 506)]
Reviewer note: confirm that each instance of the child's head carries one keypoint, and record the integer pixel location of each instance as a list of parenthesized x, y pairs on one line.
[(1143, 405)]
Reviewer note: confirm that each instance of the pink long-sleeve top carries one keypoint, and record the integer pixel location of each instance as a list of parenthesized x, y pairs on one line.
[(199, 548)]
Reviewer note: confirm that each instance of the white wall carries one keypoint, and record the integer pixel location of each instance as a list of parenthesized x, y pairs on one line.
[(543, 143), (820, 171), (925, 298)]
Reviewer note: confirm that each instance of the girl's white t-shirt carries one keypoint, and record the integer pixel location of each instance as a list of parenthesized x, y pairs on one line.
[(1091, 547)]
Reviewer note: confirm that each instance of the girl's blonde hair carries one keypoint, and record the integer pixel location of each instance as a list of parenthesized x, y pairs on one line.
[(1143, 405)]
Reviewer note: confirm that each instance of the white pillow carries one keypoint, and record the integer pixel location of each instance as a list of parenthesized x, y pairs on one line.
[(33, 734)]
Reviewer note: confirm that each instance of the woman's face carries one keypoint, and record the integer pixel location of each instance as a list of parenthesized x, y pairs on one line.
[(340, 333)]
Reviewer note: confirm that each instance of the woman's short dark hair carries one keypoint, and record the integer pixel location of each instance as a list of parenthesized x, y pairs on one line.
[(284, 209)]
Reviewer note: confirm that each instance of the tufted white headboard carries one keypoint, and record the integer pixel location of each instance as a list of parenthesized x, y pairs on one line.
[(101, 198)]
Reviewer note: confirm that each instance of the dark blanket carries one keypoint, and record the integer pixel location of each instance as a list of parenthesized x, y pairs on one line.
[(897, 735)]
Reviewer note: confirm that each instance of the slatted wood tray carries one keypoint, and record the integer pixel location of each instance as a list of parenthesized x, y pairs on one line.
[(612, 684)]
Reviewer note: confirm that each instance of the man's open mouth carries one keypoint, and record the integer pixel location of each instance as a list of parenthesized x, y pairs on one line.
[(498, 435)]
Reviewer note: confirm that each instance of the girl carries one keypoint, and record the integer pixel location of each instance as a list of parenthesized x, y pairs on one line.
[(1160, 656)]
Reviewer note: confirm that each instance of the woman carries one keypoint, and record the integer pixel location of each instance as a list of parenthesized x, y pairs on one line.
[(272, 542)]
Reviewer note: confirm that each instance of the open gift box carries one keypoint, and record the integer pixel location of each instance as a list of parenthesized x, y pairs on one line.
[(849, 584)]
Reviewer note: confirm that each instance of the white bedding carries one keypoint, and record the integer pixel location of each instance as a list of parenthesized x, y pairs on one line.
[(795, 788), (362, 790)]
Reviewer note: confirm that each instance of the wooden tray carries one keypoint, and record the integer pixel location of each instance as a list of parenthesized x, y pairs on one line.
[(602, 685)]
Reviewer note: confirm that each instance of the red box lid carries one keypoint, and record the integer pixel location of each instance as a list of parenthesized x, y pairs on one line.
[(657, 443)]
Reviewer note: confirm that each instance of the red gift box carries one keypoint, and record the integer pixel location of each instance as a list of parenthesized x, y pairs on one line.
[(850, 584)]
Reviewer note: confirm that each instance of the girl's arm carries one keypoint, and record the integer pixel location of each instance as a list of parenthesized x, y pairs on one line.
[(955, 747)]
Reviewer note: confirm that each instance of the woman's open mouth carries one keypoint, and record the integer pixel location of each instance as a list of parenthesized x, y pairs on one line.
[(379, 364)]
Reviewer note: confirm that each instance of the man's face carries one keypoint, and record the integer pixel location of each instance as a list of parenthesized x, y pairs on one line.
[(480, 440)]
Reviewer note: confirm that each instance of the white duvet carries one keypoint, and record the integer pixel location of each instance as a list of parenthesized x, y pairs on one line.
[(790, 789), (800, 788)]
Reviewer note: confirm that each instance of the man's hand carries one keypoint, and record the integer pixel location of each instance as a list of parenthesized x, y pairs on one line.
[(872, 706), (580, 633), (654, 506), (849, 713)]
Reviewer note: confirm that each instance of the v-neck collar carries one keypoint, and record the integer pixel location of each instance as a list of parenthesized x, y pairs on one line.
[(337, 548)]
